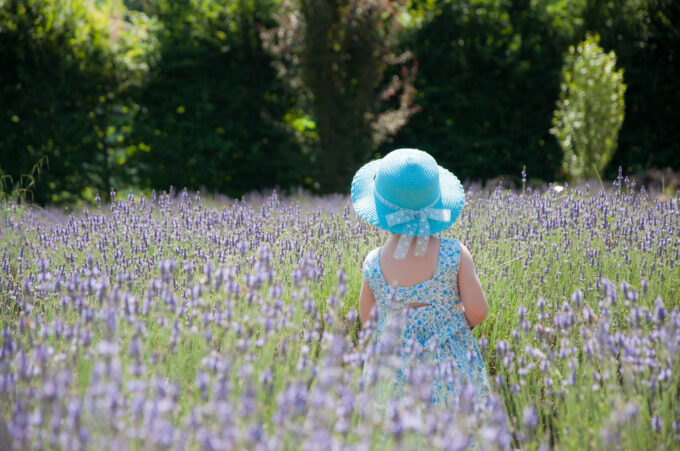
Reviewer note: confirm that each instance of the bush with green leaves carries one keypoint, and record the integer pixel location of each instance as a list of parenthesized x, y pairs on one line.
[(590, 110), (67, 66), (487, 79), (118, 93), (211, 106), (337, 57), (489, 75)]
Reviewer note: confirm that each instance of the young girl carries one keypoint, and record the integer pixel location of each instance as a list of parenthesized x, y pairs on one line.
[(409, 195)]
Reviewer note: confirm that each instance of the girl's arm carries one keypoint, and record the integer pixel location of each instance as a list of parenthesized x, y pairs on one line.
[(366, 302), (471, 292)]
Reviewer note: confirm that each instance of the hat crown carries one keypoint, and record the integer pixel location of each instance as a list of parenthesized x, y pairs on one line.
[(408, 178)]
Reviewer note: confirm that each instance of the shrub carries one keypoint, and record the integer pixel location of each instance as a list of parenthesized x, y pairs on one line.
[(336, 57), (590, 109), (487, 76), (67, 66), (211, 106), (644, 35)]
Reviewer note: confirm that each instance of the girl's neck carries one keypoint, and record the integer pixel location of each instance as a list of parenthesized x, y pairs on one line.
[(410, 270), (392, 241)]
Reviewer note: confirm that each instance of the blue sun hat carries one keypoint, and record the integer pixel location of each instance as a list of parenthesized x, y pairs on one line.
[(406, 192)]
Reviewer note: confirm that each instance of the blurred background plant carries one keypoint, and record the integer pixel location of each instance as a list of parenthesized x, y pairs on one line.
[(590, 109), (239, 95), (20, 191), (212, 109), (336, 57), (67, 70)]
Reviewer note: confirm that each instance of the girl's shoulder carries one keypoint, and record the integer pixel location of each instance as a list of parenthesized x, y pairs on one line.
[(371, 258), (370, 269), (372, 254)]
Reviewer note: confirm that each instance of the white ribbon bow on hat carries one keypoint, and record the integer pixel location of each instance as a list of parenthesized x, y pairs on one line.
[(418, 225)]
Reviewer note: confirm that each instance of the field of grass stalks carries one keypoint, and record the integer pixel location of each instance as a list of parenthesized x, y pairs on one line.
[(169, 323)]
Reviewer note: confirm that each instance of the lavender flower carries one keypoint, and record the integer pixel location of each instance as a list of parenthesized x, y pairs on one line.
[(255, 341)]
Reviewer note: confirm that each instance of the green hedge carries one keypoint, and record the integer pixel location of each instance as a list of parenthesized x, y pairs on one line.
[(151, 94), (147, 94), (487, 81), (64, 66), (212, 108), (489, 78), (646, 38)]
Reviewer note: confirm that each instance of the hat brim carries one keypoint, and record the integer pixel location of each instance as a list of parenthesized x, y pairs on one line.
[(369, 208)]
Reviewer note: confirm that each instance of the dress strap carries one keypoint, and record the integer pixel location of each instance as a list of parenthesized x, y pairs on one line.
[(450, 253), (371, 270)]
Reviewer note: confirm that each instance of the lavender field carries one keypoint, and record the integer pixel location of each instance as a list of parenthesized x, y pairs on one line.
[(172, 323)]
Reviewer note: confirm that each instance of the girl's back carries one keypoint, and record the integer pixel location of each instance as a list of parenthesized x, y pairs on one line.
[(434, 299), (432, 328)]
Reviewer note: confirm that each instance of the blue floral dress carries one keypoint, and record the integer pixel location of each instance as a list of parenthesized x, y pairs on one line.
[(436, 337)]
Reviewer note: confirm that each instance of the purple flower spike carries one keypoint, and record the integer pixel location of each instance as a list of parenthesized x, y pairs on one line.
[(660, 312), (530, 417)]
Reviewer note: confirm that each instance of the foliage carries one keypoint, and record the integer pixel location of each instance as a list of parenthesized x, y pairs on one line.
[(487, 73), (67, 66), (211, 106), (590, 110), (117, 93), (20, 190), (645, 36), (336, 57)]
